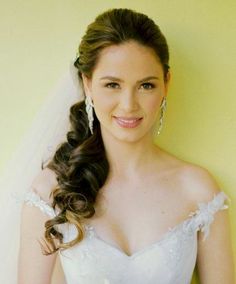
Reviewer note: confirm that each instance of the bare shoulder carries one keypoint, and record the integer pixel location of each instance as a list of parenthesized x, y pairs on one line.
[(43, 184), (199, 182)]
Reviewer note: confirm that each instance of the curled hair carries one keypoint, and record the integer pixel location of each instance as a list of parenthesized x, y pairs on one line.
[(80, 163)]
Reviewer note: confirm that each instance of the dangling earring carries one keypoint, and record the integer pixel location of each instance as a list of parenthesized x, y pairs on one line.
[(89, 110), (163, 109)]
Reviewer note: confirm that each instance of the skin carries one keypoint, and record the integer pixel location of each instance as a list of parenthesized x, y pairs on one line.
[(144, 173), (128, 150), (148, 181)]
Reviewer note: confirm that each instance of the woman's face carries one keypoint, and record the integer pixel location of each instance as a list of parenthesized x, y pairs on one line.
[(129, 94)]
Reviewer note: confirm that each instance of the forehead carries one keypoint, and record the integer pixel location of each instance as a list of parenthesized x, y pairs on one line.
[(127, 59)]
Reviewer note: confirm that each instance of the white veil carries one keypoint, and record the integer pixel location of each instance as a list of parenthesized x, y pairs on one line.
[(47, 130)]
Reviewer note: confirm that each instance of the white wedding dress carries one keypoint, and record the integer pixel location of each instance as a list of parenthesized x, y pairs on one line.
[(170, 260)]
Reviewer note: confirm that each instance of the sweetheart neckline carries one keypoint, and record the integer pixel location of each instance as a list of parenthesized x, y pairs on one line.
[(201, 207), (166, 235), (163, 238), (34, 199)]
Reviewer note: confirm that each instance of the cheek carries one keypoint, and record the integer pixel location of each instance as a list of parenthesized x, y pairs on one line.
[(103, 105), (152, 105)]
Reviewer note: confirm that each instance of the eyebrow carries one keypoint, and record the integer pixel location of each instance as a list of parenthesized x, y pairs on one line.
[(139, 81)]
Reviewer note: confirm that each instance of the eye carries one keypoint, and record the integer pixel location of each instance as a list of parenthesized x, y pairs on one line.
[(111, 84), (151, 86)]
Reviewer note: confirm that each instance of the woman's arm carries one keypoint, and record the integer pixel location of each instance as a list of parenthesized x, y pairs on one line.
[(215, 255), (215, 263), (33, 266)]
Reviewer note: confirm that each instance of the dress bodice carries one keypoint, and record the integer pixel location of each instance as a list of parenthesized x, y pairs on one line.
[(169, 260)]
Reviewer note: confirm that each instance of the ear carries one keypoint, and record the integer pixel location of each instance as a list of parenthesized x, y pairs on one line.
[(87, 85)]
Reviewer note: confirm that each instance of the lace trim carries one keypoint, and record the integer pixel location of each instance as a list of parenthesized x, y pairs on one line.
[(33, 199), (204, 215), (201, 218)]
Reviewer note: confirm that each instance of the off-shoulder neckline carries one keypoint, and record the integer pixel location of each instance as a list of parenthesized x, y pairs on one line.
[(210, 206), (186, 223), (200, 205)]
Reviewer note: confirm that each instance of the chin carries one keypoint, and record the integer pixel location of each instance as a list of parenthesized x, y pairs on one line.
[(126, 136)]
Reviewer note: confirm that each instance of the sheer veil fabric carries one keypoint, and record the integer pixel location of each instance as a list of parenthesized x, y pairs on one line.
[(47, 130)]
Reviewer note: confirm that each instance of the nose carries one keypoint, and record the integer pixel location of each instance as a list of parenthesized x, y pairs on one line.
[(128, 101)]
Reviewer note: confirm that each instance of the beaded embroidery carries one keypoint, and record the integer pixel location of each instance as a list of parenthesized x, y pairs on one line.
[(174, 254), (204, 215), (33, 199), (200, 219)]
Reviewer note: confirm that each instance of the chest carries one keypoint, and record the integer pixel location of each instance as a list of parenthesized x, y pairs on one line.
[(96, 261), (133, 216)]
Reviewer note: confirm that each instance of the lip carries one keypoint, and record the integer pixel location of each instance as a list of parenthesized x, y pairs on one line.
[(128, 122), (127, 118)]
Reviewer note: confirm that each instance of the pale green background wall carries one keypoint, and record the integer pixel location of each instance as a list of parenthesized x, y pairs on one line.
[(39, 38)]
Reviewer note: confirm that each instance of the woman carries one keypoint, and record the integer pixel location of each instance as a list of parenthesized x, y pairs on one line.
[(116, 207)]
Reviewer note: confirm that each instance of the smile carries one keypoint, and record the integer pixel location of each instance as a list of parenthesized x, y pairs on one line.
[(128, 123)]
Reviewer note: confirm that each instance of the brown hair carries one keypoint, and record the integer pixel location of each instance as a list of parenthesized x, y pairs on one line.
[(80, 163)]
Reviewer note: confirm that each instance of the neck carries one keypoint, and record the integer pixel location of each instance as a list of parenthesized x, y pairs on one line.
[(129, 158)]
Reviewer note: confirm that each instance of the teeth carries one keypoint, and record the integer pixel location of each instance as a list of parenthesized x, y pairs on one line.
[(128, 121)]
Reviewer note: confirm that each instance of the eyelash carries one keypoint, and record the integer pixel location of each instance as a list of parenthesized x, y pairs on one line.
[(150, 84)]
